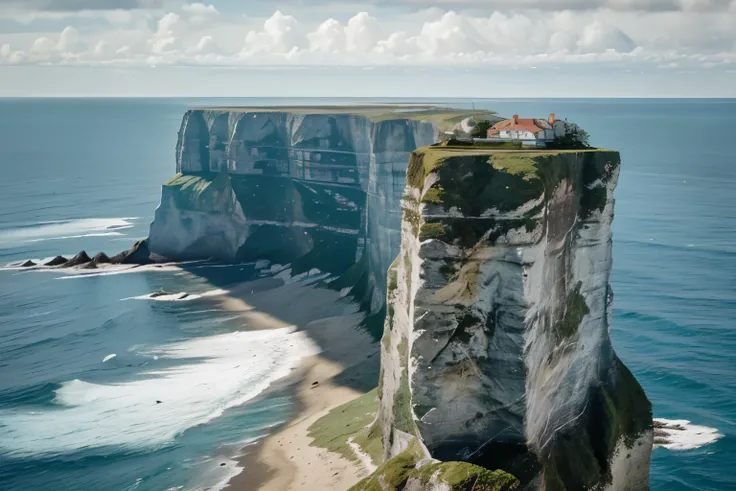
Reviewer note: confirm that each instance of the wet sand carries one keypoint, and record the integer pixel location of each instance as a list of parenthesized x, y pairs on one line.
[(345, 368)]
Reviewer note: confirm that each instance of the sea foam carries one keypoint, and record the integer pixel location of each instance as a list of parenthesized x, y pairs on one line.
[(152, 410), (179, 297), (66, 229), (680, 434)]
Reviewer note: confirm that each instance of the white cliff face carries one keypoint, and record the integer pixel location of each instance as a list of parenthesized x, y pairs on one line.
[(211, 224), (496, 348), (318, 189)]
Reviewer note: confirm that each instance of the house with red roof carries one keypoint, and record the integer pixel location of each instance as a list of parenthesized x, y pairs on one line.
[(531, 132)]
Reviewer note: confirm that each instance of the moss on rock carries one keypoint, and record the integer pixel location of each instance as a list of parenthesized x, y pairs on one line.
[(575, 310), (403, 413), (433, 195), (402, 472), (432, 231)]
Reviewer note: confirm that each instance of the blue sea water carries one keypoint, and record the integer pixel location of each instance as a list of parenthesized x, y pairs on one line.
[(86, 174)]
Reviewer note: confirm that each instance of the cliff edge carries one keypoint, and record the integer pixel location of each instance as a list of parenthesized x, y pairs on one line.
[(496, 348), (313, 187)]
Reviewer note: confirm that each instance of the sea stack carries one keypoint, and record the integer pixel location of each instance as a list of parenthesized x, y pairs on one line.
[(496, 348)]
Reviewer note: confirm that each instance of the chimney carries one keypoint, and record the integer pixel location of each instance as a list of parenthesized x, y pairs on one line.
[(552, 118), (516, 118)]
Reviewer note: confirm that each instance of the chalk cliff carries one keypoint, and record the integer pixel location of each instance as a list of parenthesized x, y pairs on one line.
[(311, 187), (496, 348)]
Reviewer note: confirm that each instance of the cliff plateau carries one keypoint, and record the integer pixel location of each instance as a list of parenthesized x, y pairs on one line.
[(496, 347), (314, 187)]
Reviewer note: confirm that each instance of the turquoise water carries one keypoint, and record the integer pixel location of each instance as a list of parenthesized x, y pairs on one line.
[(86, 174)]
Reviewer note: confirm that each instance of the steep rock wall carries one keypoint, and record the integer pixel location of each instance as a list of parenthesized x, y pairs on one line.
[(312, 189), (496, 348)]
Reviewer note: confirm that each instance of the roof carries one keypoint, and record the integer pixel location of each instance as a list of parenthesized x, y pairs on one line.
[(519, 124)]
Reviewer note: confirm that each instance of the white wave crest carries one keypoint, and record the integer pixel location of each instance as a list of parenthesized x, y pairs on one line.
[(97, 234), (161, 404), (178, 297), (680, 434), (66, 229)]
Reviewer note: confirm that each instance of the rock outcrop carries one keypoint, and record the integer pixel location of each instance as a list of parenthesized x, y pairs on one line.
[(496, 349), (311, 187)]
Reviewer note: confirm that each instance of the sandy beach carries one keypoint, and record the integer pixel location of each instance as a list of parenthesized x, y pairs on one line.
[(345, 368)]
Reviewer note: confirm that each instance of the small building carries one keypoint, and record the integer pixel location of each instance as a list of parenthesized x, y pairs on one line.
[(531, 132)]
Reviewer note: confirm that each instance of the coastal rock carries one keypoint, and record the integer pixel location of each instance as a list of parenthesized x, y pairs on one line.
[(57, 261), (28, 264), (101, 258), (138, 254), (310, 187), (79, 260), (496, 349)]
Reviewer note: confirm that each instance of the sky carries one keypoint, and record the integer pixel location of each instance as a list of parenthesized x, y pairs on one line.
[(374, 48)]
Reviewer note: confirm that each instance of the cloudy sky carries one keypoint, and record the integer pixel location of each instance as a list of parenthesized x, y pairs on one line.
[(403, 48)]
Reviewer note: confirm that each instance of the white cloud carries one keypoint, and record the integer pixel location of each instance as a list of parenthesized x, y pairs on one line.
[(166, 36), (281, 34), (206, 46), (197, 33), (598, 38), (5, 51), (363, 33), (43, 46), (69, 40), (328, 38), (200, 14)]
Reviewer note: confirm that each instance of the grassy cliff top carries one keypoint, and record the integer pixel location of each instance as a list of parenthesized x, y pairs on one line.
[(442, 117), (515, 161)]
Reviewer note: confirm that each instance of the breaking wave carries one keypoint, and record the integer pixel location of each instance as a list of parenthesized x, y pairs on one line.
[(178, 297), (680, 434), (66, 229), (217, 373)]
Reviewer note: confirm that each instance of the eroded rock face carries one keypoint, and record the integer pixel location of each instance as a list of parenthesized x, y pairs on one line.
[(312, 190), (496, 349)]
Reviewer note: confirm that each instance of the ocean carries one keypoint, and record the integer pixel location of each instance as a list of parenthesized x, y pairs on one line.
[(167, 411)]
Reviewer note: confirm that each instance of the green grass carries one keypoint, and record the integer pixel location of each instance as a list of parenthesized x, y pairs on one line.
[(395, 474), (443, 118), (433, 231), (433, 195), (351, 420), (575, 310), (197, 192)]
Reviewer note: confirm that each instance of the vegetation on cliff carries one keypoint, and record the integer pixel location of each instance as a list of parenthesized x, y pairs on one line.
[(351, 423), (404, 472), (478, 183), (197, 193)]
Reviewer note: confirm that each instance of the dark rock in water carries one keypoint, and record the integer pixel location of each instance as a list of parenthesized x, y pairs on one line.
[(79, 259), (223, 464), (101, 258), (159, 402), (27, 264), (138, 254), (57, 261), (183, 296)]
